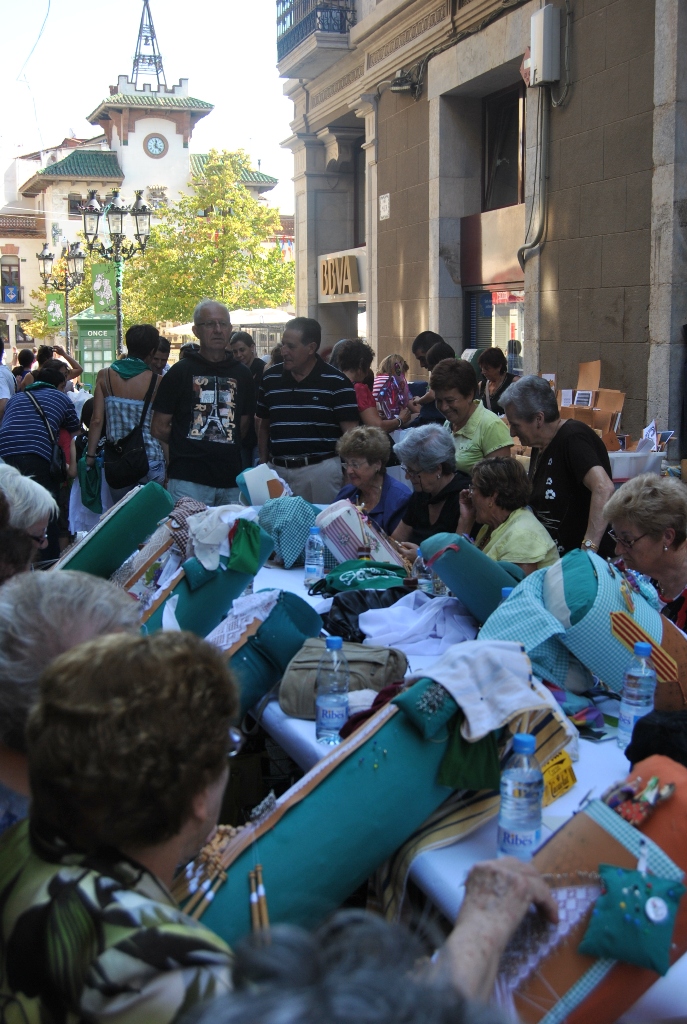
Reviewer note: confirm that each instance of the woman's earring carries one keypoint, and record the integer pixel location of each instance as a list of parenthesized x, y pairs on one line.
[(438, 476), (665, 547)]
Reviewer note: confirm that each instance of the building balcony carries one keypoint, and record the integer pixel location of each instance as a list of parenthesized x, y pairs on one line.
[(11, 297), (312, 35), (27, 225)]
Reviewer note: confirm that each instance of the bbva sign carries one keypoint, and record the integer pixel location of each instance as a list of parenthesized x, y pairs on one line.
[(339, 275)]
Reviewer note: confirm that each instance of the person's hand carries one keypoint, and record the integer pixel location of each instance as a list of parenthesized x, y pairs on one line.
[(414, 406), (405, 415), (498, 894), (503, 890), (467, 509), (59, 350), (408, 550)]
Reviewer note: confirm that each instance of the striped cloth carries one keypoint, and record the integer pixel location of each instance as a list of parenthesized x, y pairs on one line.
[(465, 810), (305, 415), (22, 431), (122, 415)]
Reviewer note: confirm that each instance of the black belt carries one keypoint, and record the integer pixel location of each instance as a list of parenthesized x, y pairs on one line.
[(296, 461)]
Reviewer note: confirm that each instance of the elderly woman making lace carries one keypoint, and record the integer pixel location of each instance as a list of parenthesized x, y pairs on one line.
[(497, 498), (365, 452), (429, 459), (648, 517)]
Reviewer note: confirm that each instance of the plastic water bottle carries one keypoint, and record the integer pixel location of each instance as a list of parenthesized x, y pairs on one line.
[(522, 788), (423, 575), (639, 685), (331, 693), (314, 557)]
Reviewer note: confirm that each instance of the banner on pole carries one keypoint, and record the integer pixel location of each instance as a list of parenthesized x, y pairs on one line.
[(103, 276), (54, 304)]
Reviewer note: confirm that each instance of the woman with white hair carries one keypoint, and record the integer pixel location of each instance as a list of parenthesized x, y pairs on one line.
[(42, 615), (31, 505), (428, 456)]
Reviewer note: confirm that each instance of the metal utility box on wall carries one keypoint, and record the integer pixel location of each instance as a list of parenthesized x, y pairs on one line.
[(96, 346), (545, 46)]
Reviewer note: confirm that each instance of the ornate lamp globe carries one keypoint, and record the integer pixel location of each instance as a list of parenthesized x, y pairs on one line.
[(116, 213), (140, 211), (76, 259), (45, 261), (92, 212)]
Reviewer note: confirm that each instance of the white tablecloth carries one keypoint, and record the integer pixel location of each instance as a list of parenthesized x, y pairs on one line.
[(441, 873)]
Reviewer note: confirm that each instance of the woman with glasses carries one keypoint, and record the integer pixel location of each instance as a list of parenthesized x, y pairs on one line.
[(365, 453), (31, 507), (510, 532), (428, 457), (648, 517)]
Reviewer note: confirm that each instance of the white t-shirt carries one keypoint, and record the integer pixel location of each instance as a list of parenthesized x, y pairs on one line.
[(7, 382)]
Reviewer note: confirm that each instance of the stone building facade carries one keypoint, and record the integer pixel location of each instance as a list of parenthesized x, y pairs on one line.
[(417, 147)]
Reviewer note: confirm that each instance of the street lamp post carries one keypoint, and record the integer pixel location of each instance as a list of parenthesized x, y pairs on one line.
[(120, 250), (73, 276)]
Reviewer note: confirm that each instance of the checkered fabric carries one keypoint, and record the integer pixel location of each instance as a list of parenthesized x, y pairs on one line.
[(658, 862), (524, 619), (288, 522), (578, 992)]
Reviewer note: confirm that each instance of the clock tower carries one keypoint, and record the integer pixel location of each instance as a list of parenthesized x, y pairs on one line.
[(147, 124)]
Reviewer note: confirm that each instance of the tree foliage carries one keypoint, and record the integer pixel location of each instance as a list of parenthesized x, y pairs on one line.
[(211, 243)]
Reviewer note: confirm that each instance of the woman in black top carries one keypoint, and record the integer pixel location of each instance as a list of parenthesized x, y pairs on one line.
[(494, 367), (243, 350), (429, 458)]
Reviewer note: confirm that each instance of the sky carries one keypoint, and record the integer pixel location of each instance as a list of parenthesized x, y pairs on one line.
[(226, 48)]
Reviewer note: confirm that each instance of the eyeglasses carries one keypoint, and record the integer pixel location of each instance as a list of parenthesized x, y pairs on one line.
[(236, 741), (222, 324), (39, 540), (629, 544), (411, 472), (355, 465)]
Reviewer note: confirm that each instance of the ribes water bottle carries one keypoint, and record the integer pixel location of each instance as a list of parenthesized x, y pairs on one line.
[(331, 693), (314, 557), (639, 686), (522, 788)]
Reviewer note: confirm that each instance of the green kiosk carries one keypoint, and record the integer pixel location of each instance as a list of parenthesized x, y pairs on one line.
[(96, 345)]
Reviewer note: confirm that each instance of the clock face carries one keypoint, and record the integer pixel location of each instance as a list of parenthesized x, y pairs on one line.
[(155, 145)]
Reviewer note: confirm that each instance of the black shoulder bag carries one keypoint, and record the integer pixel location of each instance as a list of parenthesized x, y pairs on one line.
[(58, 463), (126, 461)]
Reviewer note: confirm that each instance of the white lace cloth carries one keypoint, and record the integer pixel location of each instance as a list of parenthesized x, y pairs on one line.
[(243, 611), (208, 532)]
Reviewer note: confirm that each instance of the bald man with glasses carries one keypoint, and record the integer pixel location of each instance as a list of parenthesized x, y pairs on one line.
[(203, 409)]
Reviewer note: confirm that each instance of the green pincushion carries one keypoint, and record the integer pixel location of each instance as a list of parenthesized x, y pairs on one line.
[(633, 919), (428, 706)]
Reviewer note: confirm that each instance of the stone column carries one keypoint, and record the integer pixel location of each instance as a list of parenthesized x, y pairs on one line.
[(324, 208), (455, 161), (668, 280), (366, 107)]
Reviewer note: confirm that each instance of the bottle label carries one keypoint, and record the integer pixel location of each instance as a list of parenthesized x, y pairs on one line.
[(518, 844), (331, 718), (314, 570)]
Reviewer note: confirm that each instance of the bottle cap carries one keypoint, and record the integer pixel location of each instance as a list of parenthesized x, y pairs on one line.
[(314, 530), (334, 643), (523, 743), (506, 592), (419, 552), (642, 649)]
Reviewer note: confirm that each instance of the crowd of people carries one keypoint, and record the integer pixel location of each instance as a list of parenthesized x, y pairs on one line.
[(115, 747)]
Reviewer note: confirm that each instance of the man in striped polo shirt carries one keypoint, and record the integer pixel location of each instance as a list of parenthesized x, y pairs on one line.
[(304, 407)]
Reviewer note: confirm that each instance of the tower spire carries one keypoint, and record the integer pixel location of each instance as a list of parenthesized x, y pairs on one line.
[(147, 61)]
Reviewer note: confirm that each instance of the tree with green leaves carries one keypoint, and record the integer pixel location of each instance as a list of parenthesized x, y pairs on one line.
[(213, 242)]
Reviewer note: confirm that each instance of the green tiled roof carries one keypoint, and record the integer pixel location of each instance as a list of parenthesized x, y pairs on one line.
[(150, 99), (85, 163), (198, 161)]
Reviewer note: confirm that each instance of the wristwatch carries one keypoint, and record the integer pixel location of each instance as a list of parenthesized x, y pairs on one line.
[(589, 545)]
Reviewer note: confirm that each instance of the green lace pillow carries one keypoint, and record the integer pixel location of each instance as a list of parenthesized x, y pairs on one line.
[(428, 706), (633, 919)]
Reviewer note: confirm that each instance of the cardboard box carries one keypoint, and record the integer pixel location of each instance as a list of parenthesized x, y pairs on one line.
[(599, 408)]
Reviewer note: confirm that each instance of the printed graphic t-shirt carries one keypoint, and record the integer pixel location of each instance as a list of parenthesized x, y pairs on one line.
[(206, 401), (560, 500)]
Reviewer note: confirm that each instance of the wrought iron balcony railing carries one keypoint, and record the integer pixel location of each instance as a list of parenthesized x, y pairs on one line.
[(298, 19)]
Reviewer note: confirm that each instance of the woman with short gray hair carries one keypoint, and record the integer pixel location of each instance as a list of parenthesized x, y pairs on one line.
[(42, 615), (31, 505), (429, 459)]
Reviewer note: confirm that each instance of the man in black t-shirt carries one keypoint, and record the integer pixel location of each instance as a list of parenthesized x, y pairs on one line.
[(570, 470), (304, 406), (202, 410)]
